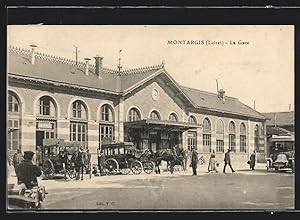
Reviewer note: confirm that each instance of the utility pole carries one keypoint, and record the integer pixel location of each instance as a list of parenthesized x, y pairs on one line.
[(254, 104), (76, 53), (119, 65), (217, 86), (289, 107)]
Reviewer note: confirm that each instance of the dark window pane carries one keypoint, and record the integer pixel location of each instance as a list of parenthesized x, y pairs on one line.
[(15, 134), (10, 107), (10, 123), (16, 123)]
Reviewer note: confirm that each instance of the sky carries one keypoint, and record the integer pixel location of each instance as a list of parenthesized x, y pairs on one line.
[(260, 70)]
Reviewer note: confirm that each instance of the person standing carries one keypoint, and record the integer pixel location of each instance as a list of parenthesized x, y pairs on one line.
[(194, 161), (27, 172), (212, 162), (101, 163), (227, 161), (252, 160)]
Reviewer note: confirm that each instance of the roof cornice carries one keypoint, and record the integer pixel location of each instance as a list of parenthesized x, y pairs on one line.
[(60, 84), (229, 112)]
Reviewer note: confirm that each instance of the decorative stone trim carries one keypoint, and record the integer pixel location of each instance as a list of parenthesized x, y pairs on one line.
[(57, 59)]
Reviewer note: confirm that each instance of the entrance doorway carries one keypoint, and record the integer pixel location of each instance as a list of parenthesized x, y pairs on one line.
[(154, 140), (44, 130)]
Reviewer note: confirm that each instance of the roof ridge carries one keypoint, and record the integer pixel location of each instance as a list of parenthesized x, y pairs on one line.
[(64, 60), (141, 69), (45, 56), (212, 93)]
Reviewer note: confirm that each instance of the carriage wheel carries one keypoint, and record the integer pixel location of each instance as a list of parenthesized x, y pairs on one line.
[(148, 167), (72, 173), (136, 167), (125, 171), (48, 169), (111, 166)]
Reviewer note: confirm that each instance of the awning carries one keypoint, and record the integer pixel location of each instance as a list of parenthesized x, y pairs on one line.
[(162, 124), (283, 139)]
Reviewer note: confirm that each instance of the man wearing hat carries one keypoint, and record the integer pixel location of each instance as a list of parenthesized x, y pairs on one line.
[(227, 161), (27, 172), (194, 161)]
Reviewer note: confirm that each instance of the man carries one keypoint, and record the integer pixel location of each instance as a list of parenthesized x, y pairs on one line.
[(194, 161), (227, 161), (252, 160), (101, 162), (27, 172), (17, 158)]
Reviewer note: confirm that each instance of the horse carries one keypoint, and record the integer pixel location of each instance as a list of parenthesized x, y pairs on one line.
[(81, 160), (172, 157)]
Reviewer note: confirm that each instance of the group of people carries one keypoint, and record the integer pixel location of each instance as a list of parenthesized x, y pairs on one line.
[(27, 172), (212, 165)]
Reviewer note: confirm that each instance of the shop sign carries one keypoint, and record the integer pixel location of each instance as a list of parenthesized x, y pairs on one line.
[(44, 125)]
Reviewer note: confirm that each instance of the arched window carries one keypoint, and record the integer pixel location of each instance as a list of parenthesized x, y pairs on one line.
[(134, 115), (106, 126), (154, 115), (192, 120), (206, 135), (173, 117), (232, 136), (220, 136), (79, 110), (13, 103), (256, 138), (46, 106), (78, 128), (14, 122), (107, 113), (243, 138)]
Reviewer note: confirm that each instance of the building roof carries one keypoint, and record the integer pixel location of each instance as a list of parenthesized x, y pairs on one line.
[(61, 70), (67, 71), (280, 118), (211, 101), (278, 131)]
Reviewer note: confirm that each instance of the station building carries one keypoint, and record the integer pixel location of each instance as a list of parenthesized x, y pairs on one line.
[(54, 97)]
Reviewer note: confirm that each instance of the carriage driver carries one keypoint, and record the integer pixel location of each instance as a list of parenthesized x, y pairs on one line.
[(27, 172)]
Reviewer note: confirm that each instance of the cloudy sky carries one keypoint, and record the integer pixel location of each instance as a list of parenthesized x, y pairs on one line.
[(260, 70)]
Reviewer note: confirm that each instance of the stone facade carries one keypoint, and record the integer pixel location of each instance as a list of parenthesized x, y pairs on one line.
[(167, 101)]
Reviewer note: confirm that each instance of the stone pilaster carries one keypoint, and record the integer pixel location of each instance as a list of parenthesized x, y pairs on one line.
[(63, 129), (28, 133), (199, 140), (121, 118), (93, 140)]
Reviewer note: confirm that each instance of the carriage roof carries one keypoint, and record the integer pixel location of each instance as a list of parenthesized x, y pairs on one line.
[(69, 146), (125, 145)]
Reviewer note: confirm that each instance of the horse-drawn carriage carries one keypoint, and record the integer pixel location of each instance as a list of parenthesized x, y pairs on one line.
[(58, 157), (123, 157)]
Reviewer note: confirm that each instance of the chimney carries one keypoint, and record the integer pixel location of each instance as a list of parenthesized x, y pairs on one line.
[(98, 65), (221, 94), (87, 65), (32, 53)]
